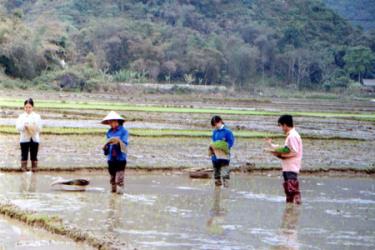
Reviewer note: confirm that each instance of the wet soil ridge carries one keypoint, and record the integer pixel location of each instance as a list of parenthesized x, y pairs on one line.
[(316, 171), (248, 168), (55, 225)]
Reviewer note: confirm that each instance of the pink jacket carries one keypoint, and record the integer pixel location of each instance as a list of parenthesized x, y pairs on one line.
[(294, 143)]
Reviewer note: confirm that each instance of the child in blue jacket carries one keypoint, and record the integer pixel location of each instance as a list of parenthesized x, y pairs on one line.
[(116, 150), (220, 162)]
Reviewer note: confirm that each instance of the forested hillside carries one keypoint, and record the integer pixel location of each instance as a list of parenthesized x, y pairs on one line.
[(86, 43)]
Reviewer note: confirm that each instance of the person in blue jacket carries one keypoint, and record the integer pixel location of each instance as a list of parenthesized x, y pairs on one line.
[(221, 162), (116, 150)]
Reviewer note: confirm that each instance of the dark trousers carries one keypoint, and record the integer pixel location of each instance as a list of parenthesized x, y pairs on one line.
[(221, 169), (290, 175), (291, 187), (31, 147), (117, 171)]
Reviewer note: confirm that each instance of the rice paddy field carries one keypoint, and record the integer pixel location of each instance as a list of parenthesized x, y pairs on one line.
[(172, 134)]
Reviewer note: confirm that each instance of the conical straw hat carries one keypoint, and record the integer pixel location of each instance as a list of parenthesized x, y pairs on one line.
[(112, 116)]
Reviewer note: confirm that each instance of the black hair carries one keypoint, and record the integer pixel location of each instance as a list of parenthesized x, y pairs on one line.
[(29, 101), (286, 120), (216, 119)]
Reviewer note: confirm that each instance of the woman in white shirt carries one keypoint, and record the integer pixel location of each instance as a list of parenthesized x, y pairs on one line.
[(29, 124)]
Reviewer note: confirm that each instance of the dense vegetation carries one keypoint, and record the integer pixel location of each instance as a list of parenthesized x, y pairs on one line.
[(359, 12), (85, 43)]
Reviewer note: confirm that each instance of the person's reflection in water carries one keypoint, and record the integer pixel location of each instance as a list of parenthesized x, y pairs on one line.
[(114, 213), (289, 228), (28, 183), (217, 213)]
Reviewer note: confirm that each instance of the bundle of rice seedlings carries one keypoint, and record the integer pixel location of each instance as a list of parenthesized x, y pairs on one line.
[(220, 145), (282, 150)]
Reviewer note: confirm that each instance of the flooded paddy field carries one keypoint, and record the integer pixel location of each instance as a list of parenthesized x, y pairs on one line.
[(308, 126), (80, 151), (337, 134), (336, 118), (167, 211), (302, 103)]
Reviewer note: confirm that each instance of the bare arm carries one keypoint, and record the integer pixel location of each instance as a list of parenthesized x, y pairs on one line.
[(270, 144)]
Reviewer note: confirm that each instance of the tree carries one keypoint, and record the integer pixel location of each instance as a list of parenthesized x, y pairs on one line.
[(359, 60), (243, 62)]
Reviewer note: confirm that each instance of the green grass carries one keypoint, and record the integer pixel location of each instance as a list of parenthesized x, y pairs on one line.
[(45, 104), (57, 131), (140, 132), (166, 133), (196, 133)]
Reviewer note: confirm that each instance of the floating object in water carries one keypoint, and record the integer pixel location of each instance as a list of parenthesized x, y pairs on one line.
[(71, 185), (200, 174), (76, 182)]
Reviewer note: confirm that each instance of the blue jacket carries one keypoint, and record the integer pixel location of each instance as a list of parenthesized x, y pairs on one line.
[(114, 151), (223, 134)]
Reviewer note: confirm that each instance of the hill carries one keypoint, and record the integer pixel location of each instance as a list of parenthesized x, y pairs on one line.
[(242, 43)]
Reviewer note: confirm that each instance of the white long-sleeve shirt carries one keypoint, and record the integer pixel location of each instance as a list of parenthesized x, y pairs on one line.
[(30, 119)]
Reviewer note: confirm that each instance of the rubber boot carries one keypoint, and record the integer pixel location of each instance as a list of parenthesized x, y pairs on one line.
[(297, 198), (218, 182), (34, 166), (120, 189), (288, 195), (226, 182), (296, 193), (23, 166), (292, 192)]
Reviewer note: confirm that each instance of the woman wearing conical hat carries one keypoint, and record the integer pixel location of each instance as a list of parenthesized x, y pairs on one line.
[(116, 150)]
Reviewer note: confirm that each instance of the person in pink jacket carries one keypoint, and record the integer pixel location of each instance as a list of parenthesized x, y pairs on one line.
[(291, 158)]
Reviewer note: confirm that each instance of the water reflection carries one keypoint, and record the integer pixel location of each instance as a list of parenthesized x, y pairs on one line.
[(217, 214), (114, 219), (28, 183), (289, 228)]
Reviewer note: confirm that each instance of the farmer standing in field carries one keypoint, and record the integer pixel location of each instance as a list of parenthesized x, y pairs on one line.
[(291, 158), (29, 124), (219, 150), (116, 150)]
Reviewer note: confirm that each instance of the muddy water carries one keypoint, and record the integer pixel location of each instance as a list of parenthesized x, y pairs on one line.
[(85, 151), (15, 235), (175, 212)]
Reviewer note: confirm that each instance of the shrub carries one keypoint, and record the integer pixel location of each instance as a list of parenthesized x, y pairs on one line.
[(341, 82), (124, 75)]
